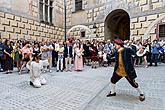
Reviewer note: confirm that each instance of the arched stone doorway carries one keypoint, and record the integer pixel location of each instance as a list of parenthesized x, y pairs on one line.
[(82, 30), (117, 24)]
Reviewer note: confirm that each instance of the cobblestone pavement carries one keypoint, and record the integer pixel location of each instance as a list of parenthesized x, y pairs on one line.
[(82, 91), (152, 82)]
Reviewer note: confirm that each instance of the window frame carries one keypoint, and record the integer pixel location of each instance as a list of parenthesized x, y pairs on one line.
[(158, 31), (77, 3), (46, 19)]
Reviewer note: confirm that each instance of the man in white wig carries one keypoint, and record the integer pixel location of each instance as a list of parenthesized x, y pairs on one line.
[(35, 67)]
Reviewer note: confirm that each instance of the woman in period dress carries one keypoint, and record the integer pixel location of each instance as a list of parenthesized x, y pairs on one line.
[(94, 54), (78, 58)]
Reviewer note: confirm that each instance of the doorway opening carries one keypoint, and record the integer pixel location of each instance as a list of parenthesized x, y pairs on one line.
[(117, 25)]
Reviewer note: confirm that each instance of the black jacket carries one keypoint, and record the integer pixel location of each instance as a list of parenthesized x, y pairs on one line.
[(128, 63), (66, 51)]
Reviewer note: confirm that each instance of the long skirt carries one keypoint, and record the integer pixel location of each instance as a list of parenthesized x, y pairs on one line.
[(8, 63), (78, 63)]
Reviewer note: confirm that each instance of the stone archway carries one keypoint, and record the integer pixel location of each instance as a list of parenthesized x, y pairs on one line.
[(89, 31), (152, 26), (117, 24)]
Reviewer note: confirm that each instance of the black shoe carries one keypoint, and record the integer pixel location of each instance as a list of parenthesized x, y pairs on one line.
[(1, 70), (31, 83), (110, 95), (57, 71), (141, 97), (150, 65)]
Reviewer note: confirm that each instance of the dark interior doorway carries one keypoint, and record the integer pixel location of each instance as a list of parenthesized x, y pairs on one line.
[(117, 25)]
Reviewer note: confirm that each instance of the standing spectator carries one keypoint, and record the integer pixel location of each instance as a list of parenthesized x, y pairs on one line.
[(68, 55), (78, 63), (87, 53), (56, 51), (133, 46), (94, 54), (1, 55), (18, 56), (44, 50), (8, 62), (155, 52), (109, 48), (53, 55), (36, 49), (164, 53), (161, 54), (149, 55), (26, 55), (50, 49), (105, 61), (60, 50), (142, 54), (44, 56)]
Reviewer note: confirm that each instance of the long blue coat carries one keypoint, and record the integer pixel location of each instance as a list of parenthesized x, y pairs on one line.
[(128, 63)]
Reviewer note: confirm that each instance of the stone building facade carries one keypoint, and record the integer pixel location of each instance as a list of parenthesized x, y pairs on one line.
[(101, 19), (129, 19), (21, 19)]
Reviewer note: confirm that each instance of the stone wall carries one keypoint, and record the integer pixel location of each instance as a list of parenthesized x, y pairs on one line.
[(21, 18), (25, 8), (142, 13), (140, 24), (12, 26)]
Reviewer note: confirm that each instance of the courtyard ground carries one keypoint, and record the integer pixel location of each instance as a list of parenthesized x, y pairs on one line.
[(83, 91)]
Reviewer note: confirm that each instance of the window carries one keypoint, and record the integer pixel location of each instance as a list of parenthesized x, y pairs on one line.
[(46, 11), (82, 34), (51, 11), (41, 10), (78, 5), (162, 30)]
